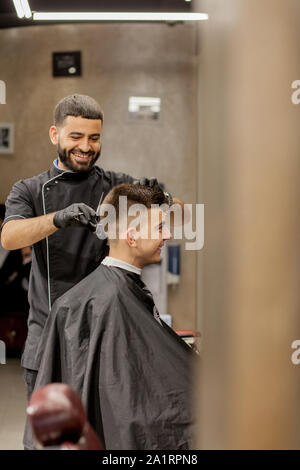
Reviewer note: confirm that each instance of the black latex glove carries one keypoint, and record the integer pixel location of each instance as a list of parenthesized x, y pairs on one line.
[(76, 215)]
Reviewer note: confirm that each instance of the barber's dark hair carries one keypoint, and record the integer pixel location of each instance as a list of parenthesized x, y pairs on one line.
[(136, 194), (79, 106)]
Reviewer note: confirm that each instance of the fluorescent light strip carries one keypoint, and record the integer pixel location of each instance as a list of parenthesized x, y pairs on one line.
[(22, 8), (19, 8), (26, 8), (118, 16)]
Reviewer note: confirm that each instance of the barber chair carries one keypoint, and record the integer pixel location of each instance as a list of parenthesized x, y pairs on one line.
[(58, 420)]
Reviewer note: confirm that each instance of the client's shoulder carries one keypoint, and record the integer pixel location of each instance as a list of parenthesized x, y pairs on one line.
[(102, 282)]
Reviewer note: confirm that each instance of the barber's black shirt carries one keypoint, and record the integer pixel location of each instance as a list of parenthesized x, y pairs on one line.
[(67, 256)]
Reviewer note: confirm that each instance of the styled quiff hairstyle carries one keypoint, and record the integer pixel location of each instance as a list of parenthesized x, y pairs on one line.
[(79, 106), (136, 194)]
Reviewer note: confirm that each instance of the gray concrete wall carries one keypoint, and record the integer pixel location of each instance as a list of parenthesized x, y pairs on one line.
[(118, 61)]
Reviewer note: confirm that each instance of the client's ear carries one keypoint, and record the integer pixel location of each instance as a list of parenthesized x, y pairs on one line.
[(130, 237)]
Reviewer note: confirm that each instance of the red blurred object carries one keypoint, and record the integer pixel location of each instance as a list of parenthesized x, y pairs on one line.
[(58, 419)]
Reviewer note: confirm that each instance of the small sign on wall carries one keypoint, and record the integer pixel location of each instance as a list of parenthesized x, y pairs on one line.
[(6, 137), (66, 64), (144, 108)]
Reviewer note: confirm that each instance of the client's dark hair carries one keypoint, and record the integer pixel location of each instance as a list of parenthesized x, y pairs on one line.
[(79, 106), (136, 194)]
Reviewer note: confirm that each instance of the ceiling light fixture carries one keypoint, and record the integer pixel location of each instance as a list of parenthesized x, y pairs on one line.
[(26, 8), (118, 16), (22, 8), (19, 8)]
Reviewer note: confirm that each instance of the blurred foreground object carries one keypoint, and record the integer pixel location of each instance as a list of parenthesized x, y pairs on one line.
[(249, 169), (58, 419)]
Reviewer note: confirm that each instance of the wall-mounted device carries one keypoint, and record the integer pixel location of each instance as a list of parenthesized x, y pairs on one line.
[(66, 64), (144, 108)]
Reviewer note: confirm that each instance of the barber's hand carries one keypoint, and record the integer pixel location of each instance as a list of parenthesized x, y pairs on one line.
[(76, 215)]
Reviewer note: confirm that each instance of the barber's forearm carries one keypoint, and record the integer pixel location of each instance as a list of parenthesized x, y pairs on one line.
[(24, 232)]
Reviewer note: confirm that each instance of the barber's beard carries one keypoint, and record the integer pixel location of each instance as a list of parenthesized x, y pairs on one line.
[(66, 159)]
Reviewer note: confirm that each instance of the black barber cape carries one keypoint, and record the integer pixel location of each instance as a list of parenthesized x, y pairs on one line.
[(134, 376)]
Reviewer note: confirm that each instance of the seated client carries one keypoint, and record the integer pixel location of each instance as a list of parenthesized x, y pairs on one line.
[(105, 338)]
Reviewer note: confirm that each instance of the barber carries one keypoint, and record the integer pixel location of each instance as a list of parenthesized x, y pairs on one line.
[(55, 212)]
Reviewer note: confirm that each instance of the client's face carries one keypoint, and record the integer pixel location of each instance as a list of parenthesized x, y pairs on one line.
[(153, 234)]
